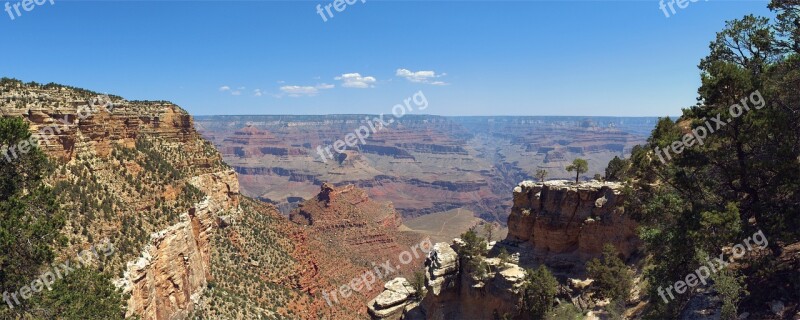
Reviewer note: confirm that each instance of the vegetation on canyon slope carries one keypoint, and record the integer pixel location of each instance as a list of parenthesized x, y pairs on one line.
[(30, 235), (745, 177)]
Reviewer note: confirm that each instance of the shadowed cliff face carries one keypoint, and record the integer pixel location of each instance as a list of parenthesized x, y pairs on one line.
[(423, 164)]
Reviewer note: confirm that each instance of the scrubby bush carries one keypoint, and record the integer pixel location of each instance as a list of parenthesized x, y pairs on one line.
[(538, 292)]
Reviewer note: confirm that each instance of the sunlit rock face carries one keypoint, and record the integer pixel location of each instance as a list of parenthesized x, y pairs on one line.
[(174, 269), (565, 224)]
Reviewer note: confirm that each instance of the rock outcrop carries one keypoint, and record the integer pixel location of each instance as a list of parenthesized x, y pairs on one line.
[(132, 168), (452, 294), (363, 232), (563, 224), (441, 268), (457, 294), (352, 218), (174, 269), (394, 301), (559, 224)]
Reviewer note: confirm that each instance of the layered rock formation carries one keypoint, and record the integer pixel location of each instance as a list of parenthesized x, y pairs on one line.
[(75, 123), (442, 265), (451, 293), (188, 244), (395, 301), (423, 164), (454, 293), (174, 269), (563, 225), (367, 230), (558, 223), (128, 169)]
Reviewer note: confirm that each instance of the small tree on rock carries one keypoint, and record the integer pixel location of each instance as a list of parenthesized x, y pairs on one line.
[(418, 283), (488, 229), (541, 174), (580, 166)]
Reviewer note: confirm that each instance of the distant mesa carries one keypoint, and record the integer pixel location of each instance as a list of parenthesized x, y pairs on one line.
[(428, 164)]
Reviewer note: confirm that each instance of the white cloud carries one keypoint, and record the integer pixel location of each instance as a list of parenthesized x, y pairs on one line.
[(355, 80), (298, 91), (258, 92), (421, 76), (236, 92)]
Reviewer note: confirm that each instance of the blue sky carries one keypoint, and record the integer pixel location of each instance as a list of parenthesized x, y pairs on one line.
[(591, 58)]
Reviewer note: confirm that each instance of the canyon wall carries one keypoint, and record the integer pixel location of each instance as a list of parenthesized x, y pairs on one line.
[(451, 293), (563, 224), (139, 157), (366, 231), (174, 269), (138, 174), (558, 224), (422, 164)]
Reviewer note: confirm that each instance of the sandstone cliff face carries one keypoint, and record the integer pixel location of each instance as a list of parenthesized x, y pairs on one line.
[(188, 244), (394, 301), (75, 124), (124, 170), (558, 223), (564, 225), (363, 233), (464, 295), (174, 269), (351, 217)]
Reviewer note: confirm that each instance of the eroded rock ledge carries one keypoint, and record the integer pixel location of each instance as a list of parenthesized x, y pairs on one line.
[(174, 268), (563, 224), (557, 223)]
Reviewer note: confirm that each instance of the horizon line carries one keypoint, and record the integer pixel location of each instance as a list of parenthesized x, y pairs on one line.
[(418, 115)]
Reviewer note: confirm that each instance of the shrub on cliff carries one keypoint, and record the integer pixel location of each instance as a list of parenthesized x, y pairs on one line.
[(538, 292), (504, 256), (566, 311), (84, 294), (612, 278), (30, 218), (418, 283), (617, 169), (472, 251)]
